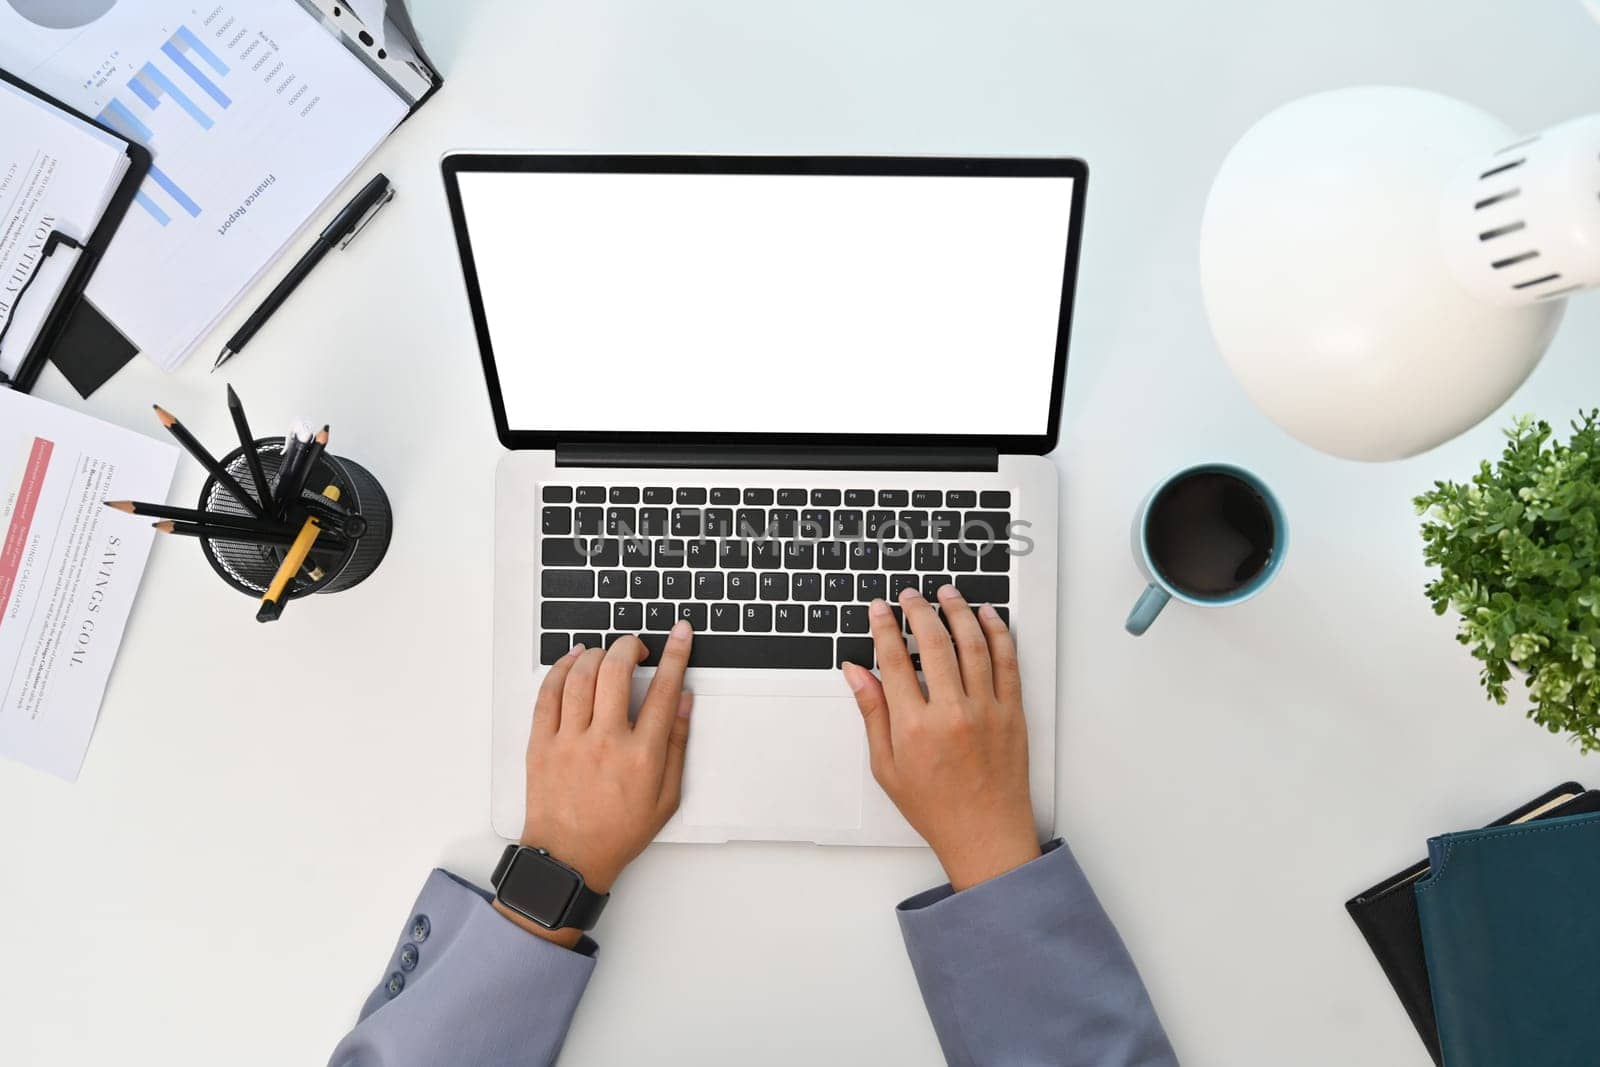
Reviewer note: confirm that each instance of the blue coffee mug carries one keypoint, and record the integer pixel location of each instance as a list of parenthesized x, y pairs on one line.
[(1161, 589)]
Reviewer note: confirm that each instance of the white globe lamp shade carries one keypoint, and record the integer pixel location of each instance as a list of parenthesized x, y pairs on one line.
[(1346, 278)]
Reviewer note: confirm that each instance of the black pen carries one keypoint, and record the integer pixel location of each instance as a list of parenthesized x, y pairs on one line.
[(341, 231)]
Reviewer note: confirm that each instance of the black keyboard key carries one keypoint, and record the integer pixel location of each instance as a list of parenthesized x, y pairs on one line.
[(562, 552), (945, 525), (573, 585), (839, 588), (929, 556), (965, 557), (898, 582), (807, 586), (671, 552), (750, 522), (826, 498), (591, 494), (557, 494), (896, 555), (774, 586), (863, 556), (913, 525), (789, 618), (961, 498), (994, 498), (659, 616), (612, 639), (931, 584), (757, 618), (691, 496), (574, 615), (695, 613), (799, 555), (822, 619), (591, 520), (553, 646), (847, 523), (657, 494), (701, 554), (871, 587), (984, 588), (676, 585), (624, 494), (708, 585), (1003, 612), (740, 650), (893, 498), (613, 585), (741, 585), (635, 552), (627, 615), (604, 551), (997, 560), (686, 522), (926, 498), (783, 522), (725, 618), (587, 640), (644, 585), (556, 520), (832, 556), (622, 521), (878, 523), (859, 498), (792, 498), (758, 497), (718, 522), (653, 522), (734, 555), (855, 650), (815, 524), (900, 617), (853, 620), (985, 525), (724, 495), (766, 555)]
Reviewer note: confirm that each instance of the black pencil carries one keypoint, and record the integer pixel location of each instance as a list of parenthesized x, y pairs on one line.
[(301, 474), (223, 533), (247, 441), (208, 461), (205, 518)]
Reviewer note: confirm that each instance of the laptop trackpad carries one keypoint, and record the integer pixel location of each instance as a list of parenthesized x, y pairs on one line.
[(779, 763)]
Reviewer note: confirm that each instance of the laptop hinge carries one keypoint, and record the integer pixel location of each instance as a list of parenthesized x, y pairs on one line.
[(820, 457)]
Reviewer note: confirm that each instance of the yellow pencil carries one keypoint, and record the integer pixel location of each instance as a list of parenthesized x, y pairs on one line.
[(272, 600)]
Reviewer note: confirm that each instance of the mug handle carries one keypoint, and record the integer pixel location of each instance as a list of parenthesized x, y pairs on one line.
[(1146, 608)]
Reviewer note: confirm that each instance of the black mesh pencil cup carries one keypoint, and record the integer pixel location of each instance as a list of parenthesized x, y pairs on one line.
[(358, 526)]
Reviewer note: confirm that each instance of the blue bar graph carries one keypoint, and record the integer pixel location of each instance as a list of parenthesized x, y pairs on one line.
[(188, 42), (161, 178), (150, 85), (182, 62), (150, 205), (119, 118)]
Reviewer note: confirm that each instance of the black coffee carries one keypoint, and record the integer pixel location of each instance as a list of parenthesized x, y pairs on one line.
[(1209, 534)]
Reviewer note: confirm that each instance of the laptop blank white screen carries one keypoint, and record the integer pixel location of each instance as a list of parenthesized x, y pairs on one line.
[(771, 303)]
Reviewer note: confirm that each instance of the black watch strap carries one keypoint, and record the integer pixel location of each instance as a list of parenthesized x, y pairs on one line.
[(582, 911)]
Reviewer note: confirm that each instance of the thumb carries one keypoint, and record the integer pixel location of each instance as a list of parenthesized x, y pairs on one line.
[(874, 714), (677, 749)]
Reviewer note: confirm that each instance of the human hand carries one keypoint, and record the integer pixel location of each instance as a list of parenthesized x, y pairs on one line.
[(600, 787), (955, 762)]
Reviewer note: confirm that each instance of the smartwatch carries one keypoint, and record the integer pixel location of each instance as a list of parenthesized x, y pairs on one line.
[(537, 886)]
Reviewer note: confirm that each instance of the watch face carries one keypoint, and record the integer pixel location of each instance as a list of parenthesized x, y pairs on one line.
[(538, 887)]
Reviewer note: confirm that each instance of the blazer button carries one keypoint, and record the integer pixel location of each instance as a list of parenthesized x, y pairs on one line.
[(420, 929), (394, 985), (409, 957)]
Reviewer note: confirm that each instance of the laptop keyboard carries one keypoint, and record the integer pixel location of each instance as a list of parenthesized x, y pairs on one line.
[(768, 577)]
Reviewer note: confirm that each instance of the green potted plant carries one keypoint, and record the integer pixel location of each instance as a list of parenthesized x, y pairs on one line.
[(1518, 552)]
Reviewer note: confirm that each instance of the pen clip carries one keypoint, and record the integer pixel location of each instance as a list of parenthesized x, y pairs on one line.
[(368, 217)]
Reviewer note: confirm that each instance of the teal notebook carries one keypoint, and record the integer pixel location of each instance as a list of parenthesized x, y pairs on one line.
[(1511, 928)]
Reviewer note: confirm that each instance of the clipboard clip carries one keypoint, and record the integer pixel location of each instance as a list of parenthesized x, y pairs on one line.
[(365, 219), (51, 243)]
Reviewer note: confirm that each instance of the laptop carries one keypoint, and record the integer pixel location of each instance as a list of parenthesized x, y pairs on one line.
[(757, 393)]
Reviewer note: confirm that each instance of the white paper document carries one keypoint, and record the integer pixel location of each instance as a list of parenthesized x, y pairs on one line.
[(69, 569), (255, 115), (57, 175)]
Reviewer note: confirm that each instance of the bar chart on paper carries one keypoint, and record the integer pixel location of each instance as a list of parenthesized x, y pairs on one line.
[(254, 114)]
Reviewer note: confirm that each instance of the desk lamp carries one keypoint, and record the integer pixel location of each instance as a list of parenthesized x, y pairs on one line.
[(1383, 267)]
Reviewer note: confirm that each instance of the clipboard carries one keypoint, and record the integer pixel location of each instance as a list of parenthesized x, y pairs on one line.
[(69, 302)]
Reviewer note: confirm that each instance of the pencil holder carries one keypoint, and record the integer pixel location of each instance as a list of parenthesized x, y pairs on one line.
[(359, 525)]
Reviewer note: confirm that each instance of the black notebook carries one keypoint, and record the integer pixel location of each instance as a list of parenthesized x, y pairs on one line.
[(1386, 914)]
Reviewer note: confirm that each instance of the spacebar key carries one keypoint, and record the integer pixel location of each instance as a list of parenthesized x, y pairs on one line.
[(714, 650)]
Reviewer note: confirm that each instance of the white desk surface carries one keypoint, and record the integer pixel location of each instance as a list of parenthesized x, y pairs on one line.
[(228, 877)]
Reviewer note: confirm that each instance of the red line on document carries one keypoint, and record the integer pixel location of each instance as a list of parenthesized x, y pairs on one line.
[(11, 549)]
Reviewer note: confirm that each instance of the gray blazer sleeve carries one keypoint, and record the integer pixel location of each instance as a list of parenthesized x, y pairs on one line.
[(1027, 969), (466, 985)]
